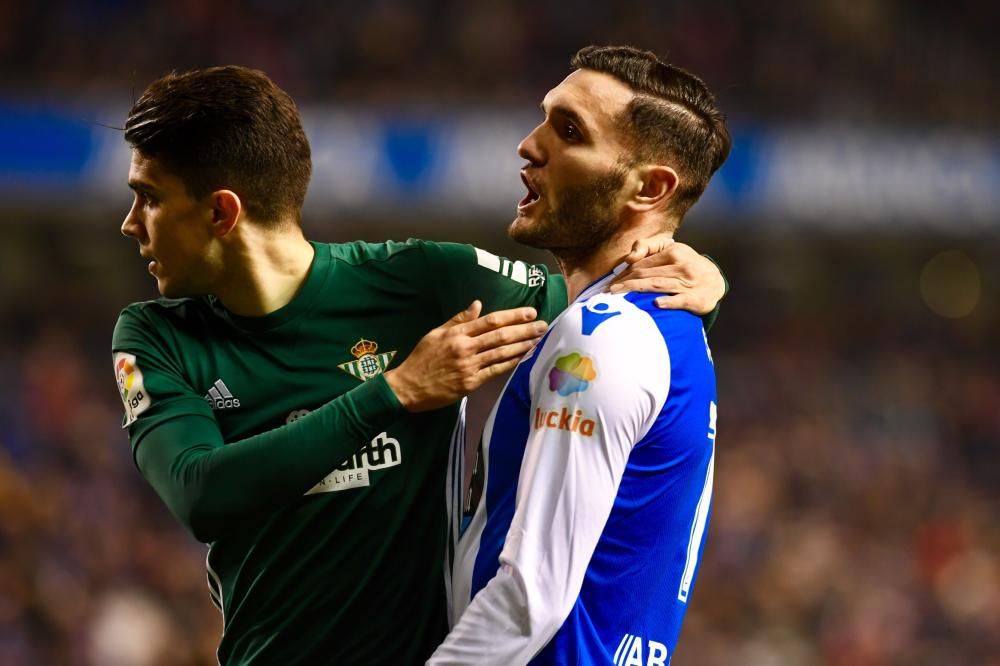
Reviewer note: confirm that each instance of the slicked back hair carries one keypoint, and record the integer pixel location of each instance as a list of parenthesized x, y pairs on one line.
[(226, 128), (673, 118)]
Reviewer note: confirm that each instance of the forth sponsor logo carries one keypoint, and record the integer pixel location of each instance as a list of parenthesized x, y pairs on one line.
[(383, 451), (634, 651), (564, 420)]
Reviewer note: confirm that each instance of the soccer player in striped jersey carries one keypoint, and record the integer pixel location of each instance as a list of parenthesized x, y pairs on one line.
[(285, 399), (598, 455)]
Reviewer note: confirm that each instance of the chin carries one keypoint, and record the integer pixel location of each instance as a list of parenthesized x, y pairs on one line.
[(532, 231)]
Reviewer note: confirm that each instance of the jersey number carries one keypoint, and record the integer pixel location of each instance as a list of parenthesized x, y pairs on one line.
[(700, 515)]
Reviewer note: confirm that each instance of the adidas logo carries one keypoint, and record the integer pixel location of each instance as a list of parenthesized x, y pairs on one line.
[(219, 396)]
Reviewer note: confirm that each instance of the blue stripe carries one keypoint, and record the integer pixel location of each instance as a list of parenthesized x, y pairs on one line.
[(507, 444)]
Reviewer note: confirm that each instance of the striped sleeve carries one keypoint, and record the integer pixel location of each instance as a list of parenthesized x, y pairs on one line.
[(600, 381)]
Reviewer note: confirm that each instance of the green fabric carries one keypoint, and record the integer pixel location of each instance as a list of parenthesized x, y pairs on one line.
[(323, 500), (709, 319)]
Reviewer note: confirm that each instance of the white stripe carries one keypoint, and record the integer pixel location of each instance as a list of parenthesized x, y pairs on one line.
[(697, 530), (218, 581), (599, 286), (620, 646), (221, 385), (628, 647), (214, 393), (453, 501), (520, 272), (467, 551), (488, 260)]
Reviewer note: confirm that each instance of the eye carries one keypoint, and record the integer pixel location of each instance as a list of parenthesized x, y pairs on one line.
[(571, 134)]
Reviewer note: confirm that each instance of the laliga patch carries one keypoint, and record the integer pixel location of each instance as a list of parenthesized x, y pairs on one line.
[(133, 392)]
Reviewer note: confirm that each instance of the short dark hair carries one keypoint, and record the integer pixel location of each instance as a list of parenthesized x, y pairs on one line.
[(226, 128), (673, 116)]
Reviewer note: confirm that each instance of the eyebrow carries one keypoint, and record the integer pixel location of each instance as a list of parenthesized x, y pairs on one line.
[(566, 112), (141, 187)]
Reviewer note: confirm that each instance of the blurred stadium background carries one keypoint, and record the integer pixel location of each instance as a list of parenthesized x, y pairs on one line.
[(857, 494)]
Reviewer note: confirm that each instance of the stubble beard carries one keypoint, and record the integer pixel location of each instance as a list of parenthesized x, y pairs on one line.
[(583, 219)]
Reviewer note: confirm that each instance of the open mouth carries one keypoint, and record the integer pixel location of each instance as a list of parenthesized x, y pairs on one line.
[(531, 197)]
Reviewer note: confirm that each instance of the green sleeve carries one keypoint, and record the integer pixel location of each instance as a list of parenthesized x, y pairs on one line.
[(212, 486), (463, 273), (709, 319)]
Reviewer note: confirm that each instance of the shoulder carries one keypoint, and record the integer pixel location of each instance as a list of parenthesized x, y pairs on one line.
[(682, 332), (605, 357), (361, 252), (615, 342), (610, 324), (144, 320), (680, 322)]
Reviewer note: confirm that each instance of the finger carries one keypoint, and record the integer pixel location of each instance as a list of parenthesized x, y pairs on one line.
[(468, 314), (640, 250), (507, 335), (496, 370), (653, 285), (667, 257), (647, 272), (495, 320), (615, 286), (683, 302), (505, 353), (644, 247)]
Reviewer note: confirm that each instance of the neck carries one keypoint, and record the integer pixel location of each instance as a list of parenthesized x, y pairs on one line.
[(263, 269), (581, 267)]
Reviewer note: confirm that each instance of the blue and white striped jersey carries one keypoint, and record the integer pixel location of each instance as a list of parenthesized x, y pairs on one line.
[(598, 461)]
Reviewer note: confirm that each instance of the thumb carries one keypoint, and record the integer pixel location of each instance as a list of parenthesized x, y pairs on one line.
[(468, 314)]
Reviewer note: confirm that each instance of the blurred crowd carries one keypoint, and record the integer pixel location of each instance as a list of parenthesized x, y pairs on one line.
[(857, 489), (885, 62), (856, 496)]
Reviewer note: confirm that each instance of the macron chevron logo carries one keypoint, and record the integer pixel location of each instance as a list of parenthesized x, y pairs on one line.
[(219, 396)]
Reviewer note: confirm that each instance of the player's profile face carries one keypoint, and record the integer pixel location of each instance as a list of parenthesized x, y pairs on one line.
[(173, 229), (575, 165)]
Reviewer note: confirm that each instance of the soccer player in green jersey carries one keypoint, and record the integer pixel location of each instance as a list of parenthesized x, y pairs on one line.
[(285, 398)]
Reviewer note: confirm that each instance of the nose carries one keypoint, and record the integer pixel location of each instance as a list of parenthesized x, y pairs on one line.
[(131, 226), (531, 148)]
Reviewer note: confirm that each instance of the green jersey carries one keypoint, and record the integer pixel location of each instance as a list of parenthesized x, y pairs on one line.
[(277, 441)]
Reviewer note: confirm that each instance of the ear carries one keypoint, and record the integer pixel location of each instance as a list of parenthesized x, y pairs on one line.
[(227, 209), (658, 184)]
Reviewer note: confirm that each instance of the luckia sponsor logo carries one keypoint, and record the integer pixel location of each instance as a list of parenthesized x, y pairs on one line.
[(571, 374), (564, 420)]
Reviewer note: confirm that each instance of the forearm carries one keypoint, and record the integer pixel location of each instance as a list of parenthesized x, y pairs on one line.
[(709, 319), (212, 487), (507, 623)]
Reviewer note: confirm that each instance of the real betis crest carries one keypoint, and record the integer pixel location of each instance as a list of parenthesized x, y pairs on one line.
[(368, 362)]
